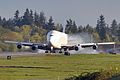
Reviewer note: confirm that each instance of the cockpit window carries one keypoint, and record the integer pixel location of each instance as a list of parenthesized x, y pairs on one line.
[(51, 35)]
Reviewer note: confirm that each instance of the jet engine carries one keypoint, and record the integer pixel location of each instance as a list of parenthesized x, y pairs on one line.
[(19, 46), (95, 47), (40, 47), (76, 48), (33, 47)]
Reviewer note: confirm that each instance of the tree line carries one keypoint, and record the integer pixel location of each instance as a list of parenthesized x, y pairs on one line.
[(33, 26)]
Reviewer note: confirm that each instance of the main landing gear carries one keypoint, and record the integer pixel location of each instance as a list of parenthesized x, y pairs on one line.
[(50, 51), (65, 52), (46, 51)]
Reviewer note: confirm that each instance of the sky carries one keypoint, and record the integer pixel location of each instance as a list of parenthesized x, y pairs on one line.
[(82, 11)]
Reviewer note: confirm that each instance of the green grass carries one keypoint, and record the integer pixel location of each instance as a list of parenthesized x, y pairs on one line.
[(56, 67)]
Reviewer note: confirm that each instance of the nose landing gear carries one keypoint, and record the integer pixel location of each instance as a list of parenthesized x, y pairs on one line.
[(64, 51)]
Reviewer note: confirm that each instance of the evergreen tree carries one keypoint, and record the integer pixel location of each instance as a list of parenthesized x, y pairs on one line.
[(74, 27), (31, 17), (16, 16), (9, 24), (17, 19), (0, 21), (114, 27), (80, 28), (27, 18), (88, 29), (42, 19), (59, 27), (68, 26), (4, 22), (50, 24), (118, 32), (36, 19), (71, 27), (101, 27)]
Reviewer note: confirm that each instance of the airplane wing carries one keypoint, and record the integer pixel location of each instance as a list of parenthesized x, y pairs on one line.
[(86, 45), (33, 46), (22, 43), (66, 48), (95, 45), (106, 43)]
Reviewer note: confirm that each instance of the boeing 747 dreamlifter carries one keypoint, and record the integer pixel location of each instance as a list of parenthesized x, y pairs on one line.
[(57, 41)]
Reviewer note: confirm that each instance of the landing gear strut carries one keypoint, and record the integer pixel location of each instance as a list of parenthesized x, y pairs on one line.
[(53, 51), (46, 51), (67, 53), (60, 51)]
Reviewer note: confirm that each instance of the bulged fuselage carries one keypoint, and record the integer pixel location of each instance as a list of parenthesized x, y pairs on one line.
[(56, 39)]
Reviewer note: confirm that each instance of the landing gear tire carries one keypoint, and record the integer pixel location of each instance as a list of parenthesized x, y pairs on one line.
[(60, 51), (46, 51), (67, 53), (54, 51)]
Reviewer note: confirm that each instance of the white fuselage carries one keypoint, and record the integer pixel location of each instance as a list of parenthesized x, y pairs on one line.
[(56, 39)]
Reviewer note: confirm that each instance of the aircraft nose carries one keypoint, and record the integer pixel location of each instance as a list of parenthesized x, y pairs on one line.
[(54, 41)]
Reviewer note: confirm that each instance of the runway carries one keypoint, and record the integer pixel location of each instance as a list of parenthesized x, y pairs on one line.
[(41, 52), (15, 54), (20, 54)]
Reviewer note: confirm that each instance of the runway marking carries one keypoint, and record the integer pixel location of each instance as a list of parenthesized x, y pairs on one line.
[(41, 67)]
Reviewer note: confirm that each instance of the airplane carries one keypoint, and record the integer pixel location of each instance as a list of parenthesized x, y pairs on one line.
[(57, 41)]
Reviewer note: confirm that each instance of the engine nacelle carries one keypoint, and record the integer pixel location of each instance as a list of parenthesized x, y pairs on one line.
[(76, 48), (40, 47), (33, 47), (95, 47), (44, 47), (19, 46)]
